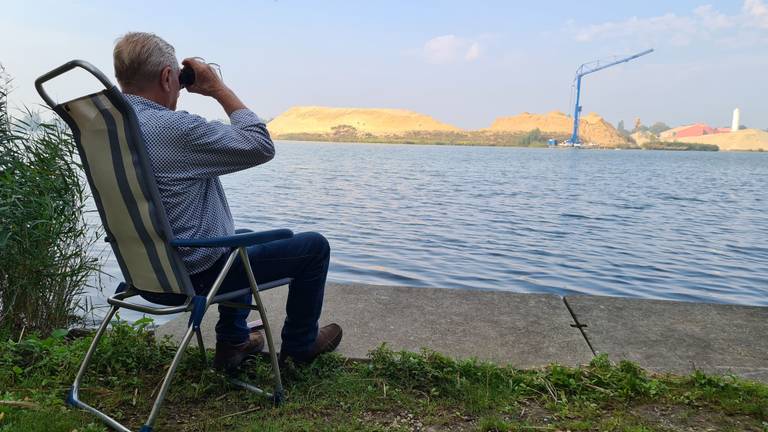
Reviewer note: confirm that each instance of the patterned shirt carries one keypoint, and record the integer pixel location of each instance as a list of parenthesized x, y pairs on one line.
[(188, 154)]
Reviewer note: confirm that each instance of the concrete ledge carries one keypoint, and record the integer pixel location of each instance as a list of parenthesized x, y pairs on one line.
[(524, 330), (532, 330), (677, 337)]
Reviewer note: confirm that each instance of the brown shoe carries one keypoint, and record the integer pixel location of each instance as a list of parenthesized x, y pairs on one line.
[(230, 356), (328, 338)]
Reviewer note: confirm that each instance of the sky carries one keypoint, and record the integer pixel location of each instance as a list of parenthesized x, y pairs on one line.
[(464, 63)]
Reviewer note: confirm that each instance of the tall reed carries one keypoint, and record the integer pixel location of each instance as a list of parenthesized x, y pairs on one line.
[(44, 240)]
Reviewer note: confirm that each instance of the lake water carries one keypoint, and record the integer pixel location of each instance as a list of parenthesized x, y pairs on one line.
[(689, 226)]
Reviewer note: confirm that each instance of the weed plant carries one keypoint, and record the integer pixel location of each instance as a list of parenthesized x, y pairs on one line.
[(44, 240)]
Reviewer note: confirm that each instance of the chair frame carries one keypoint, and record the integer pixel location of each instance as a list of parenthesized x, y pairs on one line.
[(196, 305)]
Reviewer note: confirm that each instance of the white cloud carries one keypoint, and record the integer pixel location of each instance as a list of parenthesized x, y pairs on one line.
[(473, 52), (756, 12), (708, 17), (680, 29), (703, 23), (451, 49)]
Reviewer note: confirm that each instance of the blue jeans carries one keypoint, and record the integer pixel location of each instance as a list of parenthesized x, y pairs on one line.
[(304, 257)]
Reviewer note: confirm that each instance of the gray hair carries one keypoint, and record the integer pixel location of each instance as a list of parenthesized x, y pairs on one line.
[(140, 57)]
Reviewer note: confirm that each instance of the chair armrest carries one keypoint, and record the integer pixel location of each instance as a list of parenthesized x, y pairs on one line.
[(237, 240)]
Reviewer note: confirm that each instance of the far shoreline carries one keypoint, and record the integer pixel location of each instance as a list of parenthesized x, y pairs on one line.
[(683, 147)]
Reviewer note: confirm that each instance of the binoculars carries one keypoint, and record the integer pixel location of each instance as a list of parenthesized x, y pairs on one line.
[(187, 74), (186, 77)]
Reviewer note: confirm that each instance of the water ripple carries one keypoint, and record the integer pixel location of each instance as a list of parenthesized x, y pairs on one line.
[(663, 225)]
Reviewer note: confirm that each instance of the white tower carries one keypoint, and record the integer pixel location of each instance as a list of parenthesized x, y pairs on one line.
[(736, 120)]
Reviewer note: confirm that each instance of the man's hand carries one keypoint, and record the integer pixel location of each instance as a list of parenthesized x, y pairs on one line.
[(208, 83)]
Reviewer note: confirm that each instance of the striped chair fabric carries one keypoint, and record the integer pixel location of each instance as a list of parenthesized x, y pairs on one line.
[(114, 157)]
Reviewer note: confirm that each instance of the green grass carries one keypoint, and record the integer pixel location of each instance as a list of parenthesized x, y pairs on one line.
[(394, 391), (533, 138), (679, 146)]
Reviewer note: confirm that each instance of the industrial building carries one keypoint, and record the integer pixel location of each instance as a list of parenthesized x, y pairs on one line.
[(699, 129)]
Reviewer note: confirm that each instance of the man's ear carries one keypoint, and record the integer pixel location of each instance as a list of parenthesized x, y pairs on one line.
[(165, 78)]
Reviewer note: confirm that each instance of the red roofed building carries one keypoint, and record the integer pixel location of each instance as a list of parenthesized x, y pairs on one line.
[(693, 130)]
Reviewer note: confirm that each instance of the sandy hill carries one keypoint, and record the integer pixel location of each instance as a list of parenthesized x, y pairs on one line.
[(746, 139), (366, 120), (592, 127)]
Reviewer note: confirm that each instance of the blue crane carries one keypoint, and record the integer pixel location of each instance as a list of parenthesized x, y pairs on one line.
[(584, 70)]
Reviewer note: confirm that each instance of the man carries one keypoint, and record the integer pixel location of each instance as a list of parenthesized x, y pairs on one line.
[(188, 154)]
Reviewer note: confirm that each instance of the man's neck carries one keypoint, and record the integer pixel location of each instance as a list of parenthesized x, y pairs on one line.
[(149, 95), (152, 97)]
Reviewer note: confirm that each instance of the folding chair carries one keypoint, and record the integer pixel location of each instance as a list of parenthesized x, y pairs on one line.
[(113, 155)]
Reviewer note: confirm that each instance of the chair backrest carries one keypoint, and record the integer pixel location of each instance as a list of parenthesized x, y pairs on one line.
[(114, 157)]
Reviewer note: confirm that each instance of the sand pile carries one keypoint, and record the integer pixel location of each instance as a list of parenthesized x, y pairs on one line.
[(365, 120), (592, 127), (643, 137), (746, 139)]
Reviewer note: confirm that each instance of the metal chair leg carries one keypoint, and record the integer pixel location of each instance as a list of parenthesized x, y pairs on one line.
[(167, 380), (201, 345), (183, 346), (278, 395), (73, 398)]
